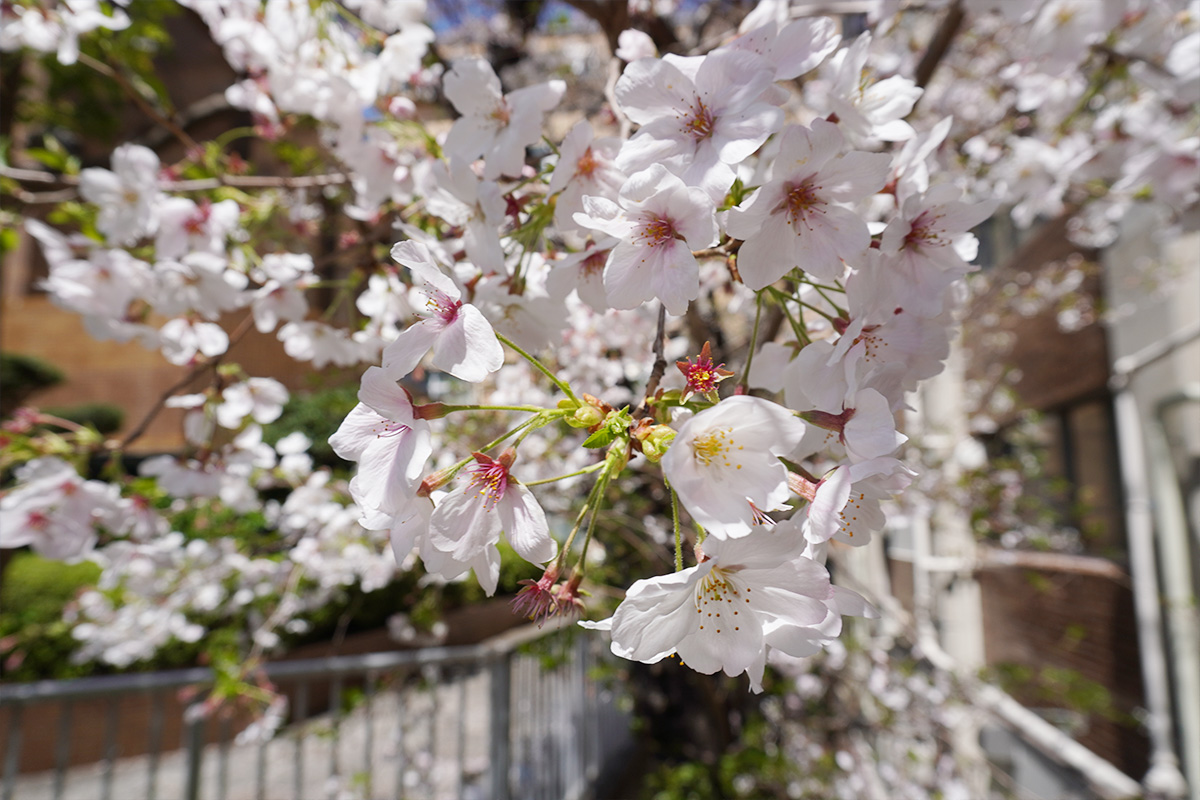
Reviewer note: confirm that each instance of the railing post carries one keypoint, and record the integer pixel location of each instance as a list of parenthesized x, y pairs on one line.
[(193, 742), (500, 721), (12, 758)]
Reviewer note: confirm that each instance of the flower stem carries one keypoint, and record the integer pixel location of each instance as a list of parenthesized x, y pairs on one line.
[(813, 308), (542, 367), (584, 471), (758, 304), (678, 533), (602, 485), (449, 409)]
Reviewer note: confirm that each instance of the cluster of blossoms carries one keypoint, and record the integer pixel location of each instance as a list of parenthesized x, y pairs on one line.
[(556, 290)]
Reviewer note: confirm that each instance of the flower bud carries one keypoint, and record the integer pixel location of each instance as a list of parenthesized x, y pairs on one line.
[(433, 482), (587, 415), (655, 441)]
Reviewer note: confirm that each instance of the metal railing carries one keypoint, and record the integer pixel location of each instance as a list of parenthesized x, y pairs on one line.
[(491, 721)]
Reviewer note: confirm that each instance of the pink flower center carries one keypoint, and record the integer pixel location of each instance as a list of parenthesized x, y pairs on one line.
[(196, 223), (924, 232), (700, 124), (703, 375), (502, 113), (594, 264), (586, 164), (801, 202), (441, 305), (655, 232), (492, 480), (390, 428)]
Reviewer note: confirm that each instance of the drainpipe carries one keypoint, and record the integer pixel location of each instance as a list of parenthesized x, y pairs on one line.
[(1164, 779), (1178, 587)]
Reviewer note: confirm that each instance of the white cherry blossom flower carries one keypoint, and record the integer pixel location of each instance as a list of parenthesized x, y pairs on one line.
[(322, 344), (724, 463), (183, 339), (585, 167), (187, 227), (470, 519), (931, 235), (197, 282), (128, 195), (495, 125), (463, 341), (461, 198), (868, 110), (659, 221), (797, 219), (745, 597), (284, 277), (390, 445), (697, 125), (846, 505), (793, 47), (261, 399), (55, 511), (870, 429)]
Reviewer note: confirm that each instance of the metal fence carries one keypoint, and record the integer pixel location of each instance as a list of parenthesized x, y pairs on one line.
[(519, 715)]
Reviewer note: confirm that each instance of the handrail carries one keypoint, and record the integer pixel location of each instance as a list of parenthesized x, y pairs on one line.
[(76, 688)]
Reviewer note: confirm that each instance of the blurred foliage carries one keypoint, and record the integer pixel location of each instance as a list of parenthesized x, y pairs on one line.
[(21, 376), (317, 415), (1057, 687), (1017, 497), (33, 593), (81, 102)]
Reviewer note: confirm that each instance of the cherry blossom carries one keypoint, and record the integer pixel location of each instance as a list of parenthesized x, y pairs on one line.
[(463, 341), (390, 445), (868, 110), (862, 255), (697, 124), (724, 463), (798, 219), (744, 597), (261, 399), (585, 167), (495, 125), (54, 511), (659, 221), (128, 195), (469, 520)]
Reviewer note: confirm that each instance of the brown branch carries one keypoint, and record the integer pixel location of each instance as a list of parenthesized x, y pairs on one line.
[(142, 103), (198, 185), (257, 182), (940, 44), (660, 361), (193, 373)]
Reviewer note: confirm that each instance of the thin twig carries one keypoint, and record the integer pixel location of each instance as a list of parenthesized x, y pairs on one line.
[(192, 374), (201, 184), (141, 101), (660, 360)]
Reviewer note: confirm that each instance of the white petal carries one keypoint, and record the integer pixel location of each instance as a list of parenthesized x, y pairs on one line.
[(524, 524), (468, 348), (405, 352)]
